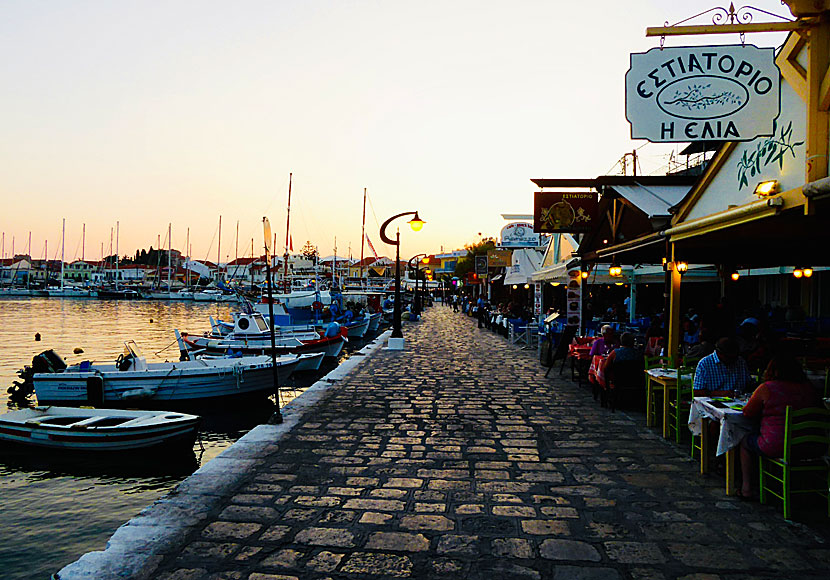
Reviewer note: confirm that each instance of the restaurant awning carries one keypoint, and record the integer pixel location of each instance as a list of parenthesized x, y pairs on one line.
[(526, 261)]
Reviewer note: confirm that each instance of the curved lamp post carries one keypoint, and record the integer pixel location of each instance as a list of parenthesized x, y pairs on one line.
[(416, 223), (416, 305)]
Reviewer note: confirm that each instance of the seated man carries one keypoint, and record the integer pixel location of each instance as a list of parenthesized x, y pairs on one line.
[(722, 373), (608, 342)]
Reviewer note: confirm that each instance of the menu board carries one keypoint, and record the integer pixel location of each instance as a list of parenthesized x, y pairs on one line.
[(574, 298)]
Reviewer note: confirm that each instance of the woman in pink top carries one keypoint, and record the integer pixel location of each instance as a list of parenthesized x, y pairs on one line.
[(784, 385)]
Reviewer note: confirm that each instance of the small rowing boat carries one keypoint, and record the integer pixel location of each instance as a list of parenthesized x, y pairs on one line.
[(98, 429)]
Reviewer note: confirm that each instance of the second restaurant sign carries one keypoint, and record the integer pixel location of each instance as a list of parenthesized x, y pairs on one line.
[(703, 93)]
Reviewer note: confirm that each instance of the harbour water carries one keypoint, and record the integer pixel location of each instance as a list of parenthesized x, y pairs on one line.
[(58, 507)]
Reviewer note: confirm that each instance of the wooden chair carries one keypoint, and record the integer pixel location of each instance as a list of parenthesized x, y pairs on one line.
[(681, 403), (651, 405), (806, 438)]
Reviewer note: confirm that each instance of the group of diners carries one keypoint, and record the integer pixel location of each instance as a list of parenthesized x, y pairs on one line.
[(727, 367)]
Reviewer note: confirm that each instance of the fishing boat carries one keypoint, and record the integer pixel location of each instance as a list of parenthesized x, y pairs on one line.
[(251, 335), (131, 380), (65, 428)]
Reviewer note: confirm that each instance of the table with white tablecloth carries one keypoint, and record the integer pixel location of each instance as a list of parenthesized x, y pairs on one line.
[(734, 427)]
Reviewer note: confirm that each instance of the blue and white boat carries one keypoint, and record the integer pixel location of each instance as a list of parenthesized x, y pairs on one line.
[(131, 380)]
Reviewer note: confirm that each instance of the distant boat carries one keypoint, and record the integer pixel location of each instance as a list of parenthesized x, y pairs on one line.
[(118, 294), (131, 380), (213, 295), (98, 429)]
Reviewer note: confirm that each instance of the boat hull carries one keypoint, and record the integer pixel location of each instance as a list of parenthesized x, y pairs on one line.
[(187, 383), (178, 431)]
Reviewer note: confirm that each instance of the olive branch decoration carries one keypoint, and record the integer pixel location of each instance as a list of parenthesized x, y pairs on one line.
[(694, 98), (770, 150)]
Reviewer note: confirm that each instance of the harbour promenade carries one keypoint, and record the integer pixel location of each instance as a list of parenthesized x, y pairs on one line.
[(456, 458)]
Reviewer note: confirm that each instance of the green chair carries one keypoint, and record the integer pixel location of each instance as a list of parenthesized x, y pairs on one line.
[(681, 403), (806, 438)]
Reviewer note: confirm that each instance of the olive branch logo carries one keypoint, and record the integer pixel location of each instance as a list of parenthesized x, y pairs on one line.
[(770, 150), (694, 98)]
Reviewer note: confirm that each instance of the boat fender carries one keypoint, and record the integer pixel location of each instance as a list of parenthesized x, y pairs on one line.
[(37, 337), (95, 390), (332, 330)]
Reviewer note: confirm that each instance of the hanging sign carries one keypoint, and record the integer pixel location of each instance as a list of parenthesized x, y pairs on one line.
[(519, 235), (481, 266), (703, 93), (499, 258), (564, 212)]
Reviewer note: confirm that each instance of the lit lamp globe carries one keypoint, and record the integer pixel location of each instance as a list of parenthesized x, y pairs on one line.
[(416, 223)]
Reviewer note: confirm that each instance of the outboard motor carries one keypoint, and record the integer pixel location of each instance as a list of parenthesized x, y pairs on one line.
[(48, 362)]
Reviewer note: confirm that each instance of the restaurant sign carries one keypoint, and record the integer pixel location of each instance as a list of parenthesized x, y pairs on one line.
[(499, 258), (519, 235), (564, 212), (702, 93)]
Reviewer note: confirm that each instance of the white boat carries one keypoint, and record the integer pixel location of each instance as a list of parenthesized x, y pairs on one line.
[(213, 295), (97, 429), (131, 380), (374, 321), (71, 292), (250, 335)]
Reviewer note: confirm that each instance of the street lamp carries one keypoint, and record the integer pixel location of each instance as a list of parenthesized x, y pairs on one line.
[(416, 223), (416, 305)]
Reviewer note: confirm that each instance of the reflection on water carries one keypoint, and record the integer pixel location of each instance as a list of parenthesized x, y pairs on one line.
[(57, 506)]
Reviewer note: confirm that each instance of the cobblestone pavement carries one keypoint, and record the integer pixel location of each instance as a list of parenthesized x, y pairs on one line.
[(457, 459)]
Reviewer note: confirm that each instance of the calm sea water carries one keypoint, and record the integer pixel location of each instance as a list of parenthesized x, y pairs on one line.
[(57, 507)]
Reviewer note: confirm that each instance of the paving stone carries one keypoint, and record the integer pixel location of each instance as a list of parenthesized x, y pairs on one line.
[(374, 504), (514, 511), (230, 530), (545, 527), (375, 518), (324, 561), (283, 559), (378, 564), (458, 544), (634, 552), (325, 537), (397, 542), (427, 522), (568, 550), (512, 548)]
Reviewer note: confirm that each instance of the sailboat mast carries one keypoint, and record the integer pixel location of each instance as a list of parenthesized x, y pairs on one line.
[(362, 236), (169, 252), (287, 238), (187, 269), (28, 274), (117, 238), (219, 249), (83, 243), (63, 246)]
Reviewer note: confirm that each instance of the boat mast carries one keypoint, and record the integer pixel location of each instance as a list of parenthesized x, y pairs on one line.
[(28, 273), (63, 245), (117, 237), (287, 228), (169, 252), (187, 269), (219, 250), (362, 236), (83, 243), (157, 283)]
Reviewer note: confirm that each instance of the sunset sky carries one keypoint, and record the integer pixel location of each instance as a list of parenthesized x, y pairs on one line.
[(177, 111)]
